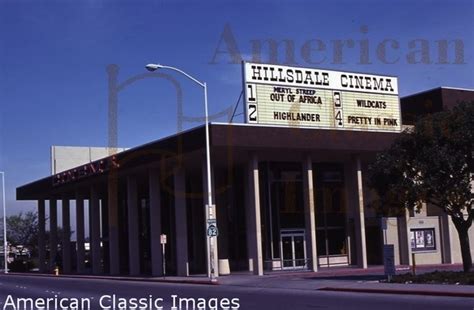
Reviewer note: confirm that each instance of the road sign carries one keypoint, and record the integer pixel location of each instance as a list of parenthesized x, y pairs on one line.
[(163, 239), (212, 230), (389, 260)]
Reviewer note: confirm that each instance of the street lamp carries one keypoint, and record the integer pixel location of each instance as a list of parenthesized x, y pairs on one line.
[(210, 214), (5, 245)]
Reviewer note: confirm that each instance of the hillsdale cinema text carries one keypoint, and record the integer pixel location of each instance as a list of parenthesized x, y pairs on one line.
[(316, 77)]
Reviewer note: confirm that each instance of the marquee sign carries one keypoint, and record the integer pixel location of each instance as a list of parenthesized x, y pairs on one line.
[(306, 97)]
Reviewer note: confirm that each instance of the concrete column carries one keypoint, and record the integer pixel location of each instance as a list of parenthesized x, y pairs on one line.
[(408, 239), (254, 233), (155, 222), (180, 222), (104, 234), (41, 236), (114, 254), (309, 214), (445, 238), (94, 214), (198, 219), (133, 236), (360, 218), (210, 212), (80, 251), (53, 233), (66, 236)]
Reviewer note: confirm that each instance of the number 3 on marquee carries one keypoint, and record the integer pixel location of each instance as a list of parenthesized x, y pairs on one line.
[(338, 109)]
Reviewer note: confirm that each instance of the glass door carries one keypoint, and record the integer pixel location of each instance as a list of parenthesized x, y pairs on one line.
[(287, 248), (293, 249), (299, 251)]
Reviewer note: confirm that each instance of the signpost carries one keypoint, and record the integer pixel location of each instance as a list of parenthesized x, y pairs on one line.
[(163, 243), (316, 98), (212, 232)]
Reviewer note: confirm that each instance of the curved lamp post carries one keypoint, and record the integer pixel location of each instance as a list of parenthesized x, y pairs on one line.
[(209, 207)]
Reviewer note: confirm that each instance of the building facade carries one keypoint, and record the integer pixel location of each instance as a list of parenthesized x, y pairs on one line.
[(286, 198)]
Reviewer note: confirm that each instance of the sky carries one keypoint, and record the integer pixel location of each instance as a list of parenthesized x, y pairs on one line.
[(54, 54)]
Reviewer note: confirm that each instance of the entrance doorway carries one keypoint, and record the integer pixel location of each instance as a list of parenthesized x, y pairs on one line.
[(293, 249)]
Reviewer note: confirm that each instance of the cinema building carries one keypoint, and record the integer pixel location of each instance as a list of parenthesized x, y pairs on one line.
[(289, 190)]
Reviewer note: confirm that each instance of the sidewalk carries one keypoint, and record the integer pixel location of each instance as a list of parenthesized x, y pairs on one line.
[(343, 279), (353, 280)]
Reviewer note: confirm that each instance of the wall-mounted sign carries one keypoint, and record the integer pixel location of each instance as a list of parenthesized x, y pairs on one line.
[(90, 169), (422, 239), (306, 97)]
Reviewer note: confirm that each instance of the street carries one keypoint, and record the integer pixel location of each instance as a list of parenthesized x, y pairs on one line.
[(113, 294)]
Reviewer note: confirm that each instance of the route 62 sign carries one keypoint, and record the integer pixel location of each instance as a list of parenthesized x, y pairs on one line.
[(212, 230)]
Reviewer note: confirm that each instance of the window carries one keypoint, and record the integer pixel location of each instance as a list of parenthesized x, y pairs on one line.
[(422, 239)]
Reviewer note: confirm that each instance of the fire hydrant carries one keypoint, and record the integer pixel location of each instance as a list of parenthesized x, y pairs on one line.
[(56, 271)]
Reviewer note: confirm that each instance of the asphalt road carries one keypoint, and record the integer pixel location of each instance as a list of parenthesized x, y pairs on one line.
[(12, 288)]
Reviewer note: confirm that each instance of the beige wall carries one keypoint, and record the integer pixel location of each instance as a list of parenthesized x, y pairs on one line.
[(453, 241), (392, 237), (455, 247), (428, 257), (67, 157)]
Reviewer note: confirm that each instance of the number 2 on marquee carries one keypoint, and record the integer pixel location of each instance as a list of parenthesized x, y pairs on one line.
[(252, 113)]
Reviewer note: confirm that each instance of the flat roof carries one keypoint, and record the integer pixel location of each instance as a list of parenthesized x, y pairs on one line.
[(237, 136)]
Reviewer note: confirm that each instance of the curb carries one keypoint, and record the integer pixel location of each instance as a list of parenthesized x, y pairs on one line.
[(85, 277), (397, 292), (376, 270)]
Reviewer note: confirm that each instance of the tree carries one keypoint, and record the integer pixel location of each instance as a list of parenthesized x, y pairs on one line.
[(22, 229), (432, 163)]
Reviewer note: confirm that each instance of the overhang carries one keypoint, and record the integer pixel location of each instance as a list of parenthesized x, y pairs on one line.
[(237, 136)]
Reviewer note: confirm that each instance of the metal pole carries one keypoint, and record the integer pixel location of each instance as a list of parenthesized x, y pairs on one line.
[(208, 151), (5, 245), (164, 260), (210, 206)]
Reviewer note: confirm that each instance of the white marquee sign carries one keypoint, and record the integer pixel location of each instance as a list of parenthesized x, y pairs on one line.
[(306, 97)]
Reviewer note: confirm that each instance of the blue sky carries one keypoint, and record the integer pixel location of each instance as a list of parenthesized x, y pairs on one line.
[(53, 59)]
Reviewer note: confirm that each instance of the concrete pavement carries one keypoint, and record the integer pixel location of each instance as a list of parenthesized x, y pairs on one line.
[(344, 279), (283, 293)]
